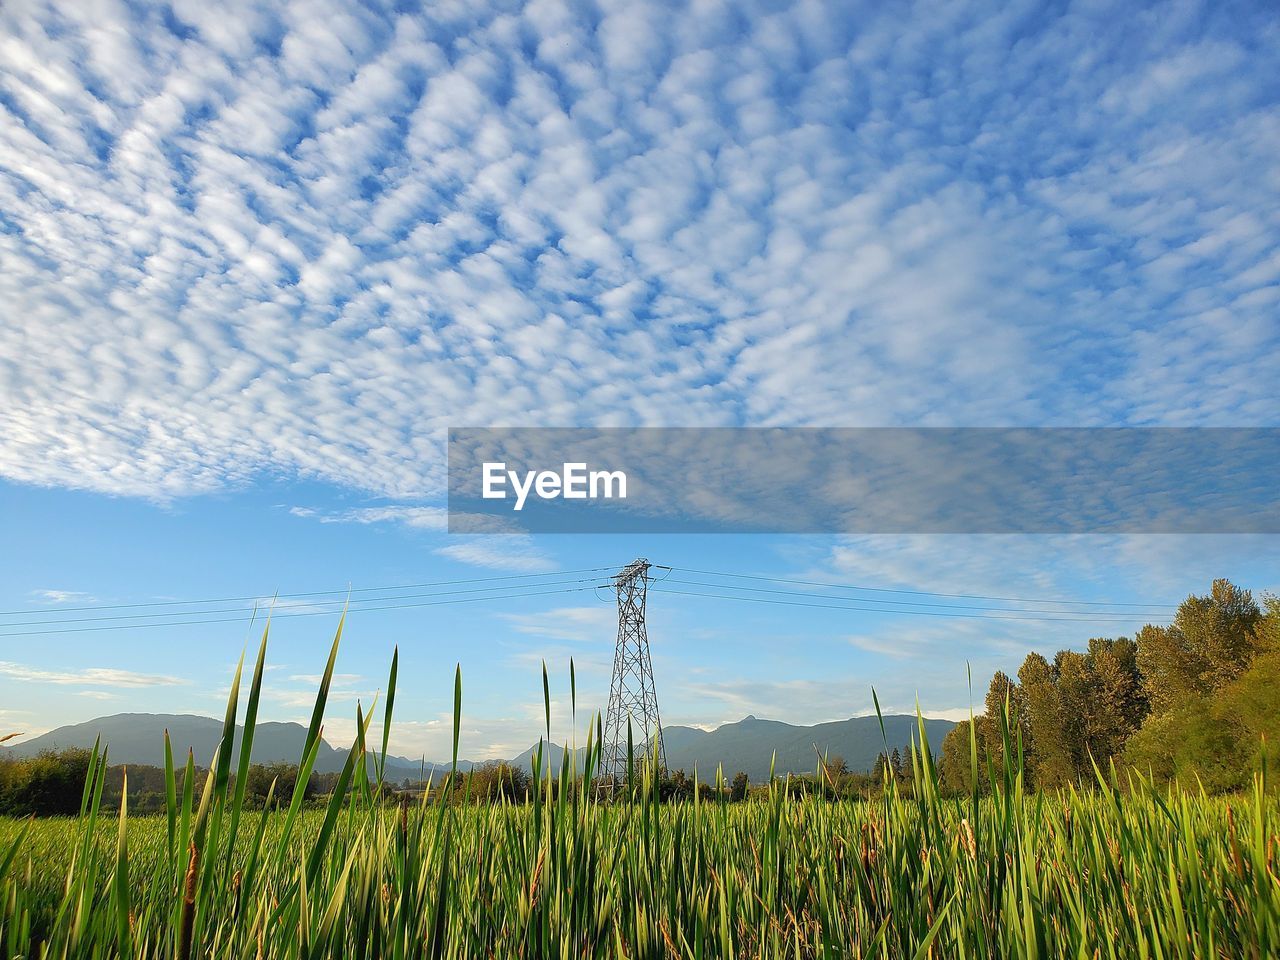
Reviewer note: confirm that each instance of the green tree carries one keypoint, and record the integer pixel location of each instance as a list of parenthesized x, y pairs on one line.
[(676, 786), (497, 780), (1080, 709), (1050, 756), (1211, 642), (1219, 729), (954, 766), (45, 785), (1005, 702), (1117, 702), (260, 776)]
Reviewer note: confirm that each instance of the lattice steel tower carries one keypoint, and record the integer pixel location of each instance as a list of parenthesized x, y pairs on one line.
[(631, 694)]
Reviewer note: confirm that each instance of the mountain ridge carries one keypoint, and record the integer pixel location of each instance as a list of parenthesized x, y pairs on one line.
[(138, 739), (752, 745)]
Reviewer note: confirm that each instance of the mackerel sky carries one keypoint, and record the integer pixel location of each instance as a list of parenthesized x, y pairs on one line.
[(256, 258)]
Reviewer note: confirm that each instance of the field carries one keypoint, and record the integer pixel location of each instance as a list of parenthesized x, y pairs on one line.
[(1118, 870)]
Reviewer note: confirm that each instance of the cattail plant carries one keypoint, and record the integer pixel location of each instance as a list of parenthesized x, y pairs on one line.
[(1116, 868)]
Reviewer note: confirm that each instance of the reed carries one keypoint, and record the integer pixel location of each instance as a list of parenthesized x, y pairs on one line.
[(1114, 870)]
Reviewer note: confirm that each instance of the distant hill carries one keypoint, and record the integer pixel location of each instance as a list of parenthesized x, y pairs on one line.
[(138, 738), (747, 745)]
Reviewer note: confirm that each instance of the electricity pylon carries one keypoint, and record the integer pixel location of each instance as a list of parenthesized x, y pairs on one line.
[(632, 697)]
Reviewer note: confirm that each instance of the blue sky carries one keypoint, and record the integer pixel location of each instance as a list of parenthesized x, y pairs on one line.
[(256, 259)]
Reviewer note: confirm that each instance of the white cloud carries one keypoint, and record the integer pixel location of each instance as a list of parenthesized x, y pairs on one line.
[(336, 680), (806, 701), (480, 738), (306, 240), (574, 624), (592, 668), (297, 702), (62, 596), (15, 737), (1158, 569), (421, 518), (955, 715), (500, 552), (11, 719), (89, 676)]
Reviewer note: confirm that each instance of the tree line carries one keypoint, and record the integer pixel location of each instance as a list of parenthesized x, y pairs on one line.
[(1198, 699), (52, 784), (831, 778)]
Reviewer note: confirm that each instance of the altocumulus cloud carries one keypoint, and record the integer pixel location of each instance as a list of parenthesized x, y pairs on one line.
[(305, 238), (89, 677)]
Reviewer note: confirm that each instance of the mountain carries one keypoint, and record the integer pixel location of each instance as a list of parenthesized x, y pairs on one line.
[(552, 754), (138, 738), (750, 744), (747, 745)]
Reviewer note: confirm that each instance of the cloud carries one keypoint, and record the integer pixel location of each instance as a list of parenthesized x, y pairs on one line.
[(299, 701), (501, 552), (14, 731), (337, 679), (345, 690), (306, 240), (889, 645), (805, 701), (90, 676), (480, 738), (62, 596), (1156, 570), (574, 624), (421, 518), (293, 700), (595, 668), (498, 551), (976, 564), (954, 714)]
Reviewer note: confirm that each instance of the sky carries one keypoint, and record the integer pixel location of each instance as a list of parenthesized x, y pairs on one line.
[(255, 259)]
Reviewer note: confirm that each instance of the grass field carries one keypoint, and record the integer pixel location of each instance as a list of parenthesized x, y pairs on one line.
[(1105, 872)]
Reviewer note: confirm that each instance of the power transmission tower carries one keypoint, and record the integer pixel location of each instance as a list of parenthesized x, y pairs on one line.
[(632, 696)]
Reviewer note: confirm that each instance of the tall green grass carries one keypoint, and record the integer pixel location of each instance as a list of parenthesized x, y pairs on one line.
[(1103, 872)]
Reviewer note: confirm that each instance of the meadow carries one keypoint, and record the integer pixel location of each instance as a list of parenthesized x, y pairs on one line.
[(1119, 868)]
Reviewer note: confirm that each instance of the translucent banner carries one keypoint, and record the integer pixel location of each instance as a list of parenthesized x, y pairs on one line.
[(864, 480)]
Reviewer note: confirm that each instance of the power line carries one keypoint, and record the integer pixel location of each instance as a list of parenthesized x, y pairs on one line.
[(342, 595), (560, 584), (310, 613), (916, 613), (315, 593), (195, 613), (899, 603), (922, 593)]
